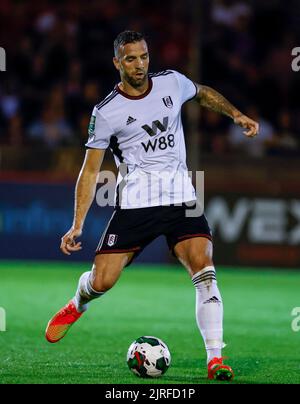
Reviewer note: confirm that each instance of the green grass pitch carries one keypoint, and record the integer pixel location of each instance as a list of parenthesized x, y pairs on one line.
[(147, 300)]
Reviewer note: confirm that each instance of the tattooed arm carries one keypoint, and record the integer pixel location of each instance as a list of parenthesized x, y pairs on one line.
[(211, 99)]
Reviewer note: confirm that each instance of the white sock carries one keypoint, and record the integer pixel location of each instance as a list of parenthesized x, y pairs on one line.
[(209, 311), (85, 293)]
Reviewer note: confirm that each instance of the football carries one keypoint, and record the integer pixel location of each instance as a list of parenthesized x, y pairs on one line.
[(148, 357)]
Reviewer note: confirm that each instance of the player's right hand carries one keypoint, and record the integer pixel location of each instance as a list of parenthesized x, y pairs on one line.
[(68, 243)]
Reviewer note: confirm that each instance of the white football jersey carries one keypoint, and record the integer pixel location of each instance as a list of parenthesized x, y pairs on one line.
[(146, 136)]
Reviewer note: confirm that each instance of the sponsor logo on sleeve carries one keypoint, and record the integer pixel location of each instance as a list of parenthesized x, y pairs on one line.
[(91, 129)]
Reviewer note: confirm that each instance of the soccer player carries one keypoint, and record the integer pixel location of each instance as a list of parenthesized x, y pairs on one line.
[(140, 121)]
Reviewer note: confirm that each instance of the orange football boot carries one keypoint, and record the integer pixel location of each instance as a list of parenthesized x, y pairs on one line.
[(218, 371), (59, 325)]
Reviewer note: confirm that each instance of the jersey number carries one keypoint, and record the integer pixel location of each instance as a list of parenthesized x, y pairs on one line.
[(162, 143)]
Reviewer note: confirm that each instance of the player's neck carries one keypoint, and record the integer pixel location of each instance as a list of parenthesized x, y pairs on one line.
[(132, 91)]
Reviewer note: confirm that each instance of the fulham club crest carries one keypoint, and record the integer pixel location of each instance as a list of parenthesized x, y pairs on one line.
[(111, 239), (168, 102)]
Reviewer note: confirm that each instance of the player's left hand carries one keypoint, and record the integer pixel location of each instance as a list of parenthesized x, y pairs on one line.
[(247, 123)]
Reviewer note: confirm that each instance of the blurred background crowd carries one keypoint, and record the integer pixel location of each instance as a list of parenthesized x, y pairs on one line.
[(59, 64)]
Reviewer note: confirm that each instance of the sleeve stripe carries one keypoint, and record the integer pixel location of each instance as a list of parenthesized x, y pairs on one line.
[(163, 73), (196, 90), (107, 100)]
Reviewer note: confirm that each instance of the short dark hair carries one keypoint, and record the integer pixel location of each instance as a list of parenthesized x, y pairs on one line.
[(127, 37)]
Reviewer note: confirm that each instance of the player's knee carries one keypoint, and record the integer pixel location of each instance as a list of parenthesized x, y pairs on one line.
[(102, 283), (199, 262), (100, 286), (103, 278)]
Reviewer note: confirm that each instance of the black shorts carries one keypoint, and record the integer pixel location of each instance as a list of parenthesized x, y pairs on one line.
[(133, 229)]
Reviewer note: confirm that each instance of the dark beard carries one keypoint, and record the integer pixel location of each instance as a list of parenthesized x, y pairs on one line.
[(135, 83)]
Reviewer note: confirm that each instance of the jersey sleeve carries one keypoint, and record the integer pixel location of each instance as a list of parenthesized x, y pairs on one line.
[(99, 131), (187, 87)]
